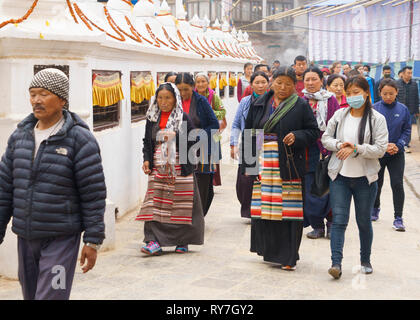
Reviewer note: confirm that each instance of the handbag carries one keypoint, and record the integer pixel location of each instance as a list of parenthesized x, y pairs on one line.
[(321, 184)]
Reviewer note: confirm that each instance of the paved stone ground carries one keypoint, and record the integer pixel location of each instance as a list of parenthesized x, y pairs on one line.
[(223, 268)]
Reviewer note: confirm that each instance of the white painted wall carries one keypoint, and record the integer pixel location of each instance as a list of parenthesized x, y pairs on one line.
[(121, 147)]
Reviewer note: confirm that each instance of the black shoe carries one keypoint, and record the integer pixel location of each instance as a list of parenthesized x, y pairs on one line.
[(366, 268), (335, 271)]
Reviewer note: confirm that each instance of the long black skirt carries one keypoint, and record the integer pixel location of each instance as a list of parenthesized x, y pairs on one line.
[(276, 241), (244, 186)]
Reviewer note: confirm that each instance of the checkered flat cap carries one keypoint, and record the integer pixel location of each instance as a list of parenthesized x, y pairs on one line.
[(53, 80)]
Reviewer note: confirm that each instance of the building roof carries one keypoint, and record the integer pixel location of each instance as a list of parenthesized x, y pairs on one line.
[(146, 25)]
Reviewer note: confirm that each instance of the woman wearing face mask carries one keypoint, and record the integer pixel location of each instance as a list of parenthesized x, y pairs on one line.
[(259, 84), (354, 168), (179, 220), (202, 87), (399, 127), (335, 84), (323, 104), (202, 117)]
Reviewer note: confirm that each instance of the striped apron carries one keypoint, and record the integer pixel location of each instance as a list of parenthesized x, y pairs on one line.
[(272, 197), (169, 199)]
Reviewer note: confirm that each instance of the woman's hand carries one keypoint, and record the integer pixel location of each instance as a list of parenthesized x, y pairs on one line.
[(234, 151), (146, 168), (169, 135), (346, 144), (344, 153), (289, 139), (392, 149)]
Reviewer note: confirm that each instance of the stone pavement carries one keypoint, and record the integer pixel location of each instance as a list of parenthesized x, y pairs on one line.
[(223, 268)]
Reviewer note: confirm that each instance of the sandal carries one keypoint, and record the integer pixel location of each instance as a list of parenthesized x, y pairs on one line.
[(288, 268), (152, 248), (181, 249)]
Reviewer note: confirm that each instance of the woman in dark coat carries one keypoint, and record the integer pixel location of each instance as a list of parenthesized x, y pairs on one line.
[(202, 117), (171, 209), (324, 105), (289, 127)]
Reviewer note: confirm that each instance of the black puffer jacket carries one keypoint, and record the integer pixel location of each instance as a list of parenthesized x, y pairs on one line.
[(408, 94), (62, 191)]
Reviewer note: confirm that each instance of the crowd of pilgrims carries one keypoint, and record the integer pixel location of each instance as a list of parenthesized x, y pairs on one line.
[(298, 117)]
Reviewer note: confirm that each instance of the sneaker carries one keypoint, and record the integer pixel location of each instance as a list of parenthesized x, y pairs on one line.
[(366, 268), (335, 271), (181, 249), (398, 224), (407, 150), (288, 268), (316, 234), (152, 248), (375, 214)]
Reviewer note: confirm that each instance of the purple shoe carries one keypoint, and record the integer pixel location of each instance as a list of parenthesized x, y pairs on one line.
[(398, 224), (375, 214)]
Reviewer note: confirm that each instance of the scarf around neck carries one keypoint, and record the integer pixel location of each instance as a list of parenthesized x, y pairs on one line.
[(321, 97), (175, 119), (283, 108)]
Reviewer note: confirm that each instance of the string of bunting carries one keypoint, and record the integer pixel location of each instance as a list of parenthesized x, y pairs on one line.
[(25, 16)]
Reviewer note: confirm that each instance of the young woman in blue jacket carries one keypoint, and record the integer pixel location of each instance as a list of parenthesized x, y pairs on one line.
[(397, 118)]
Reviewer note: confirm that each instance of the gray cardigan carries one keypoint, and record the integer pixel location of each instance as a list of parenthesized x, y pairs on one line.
[(369, 154)]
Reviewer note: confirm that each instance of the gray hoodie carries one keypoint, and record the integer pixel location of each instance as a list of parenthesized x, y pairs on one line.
[(369, 154)]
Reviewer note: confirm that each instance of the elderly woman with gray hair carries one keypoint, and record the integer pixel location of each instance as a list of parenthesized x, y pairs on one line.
[(202, 87)]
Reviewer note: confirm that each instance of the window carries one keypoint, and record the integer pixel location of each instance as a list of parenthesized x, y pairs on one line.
[(223, 82), (107, 94), (245, 11), (142, 88), (204, 9), (213, 76), (256, 10), (232, 84)]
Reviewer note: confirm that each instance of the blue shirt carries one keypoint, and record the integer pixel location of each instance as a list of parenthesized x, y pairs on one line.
[(238, 124)]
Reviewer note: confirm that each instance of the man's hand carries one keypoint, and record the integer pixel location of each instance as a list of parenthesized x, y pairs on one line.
[(90, 254)]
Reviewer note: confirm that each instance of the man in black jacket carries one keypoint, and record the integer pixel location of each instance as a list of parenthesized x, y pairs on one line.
[(386, 73), (52, 183), (408, 94)]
